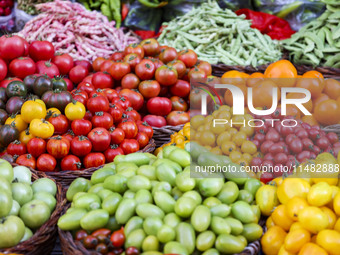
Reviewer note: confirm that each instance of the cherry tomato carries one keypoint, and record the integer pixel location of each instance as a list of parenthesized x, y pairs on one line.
[(98, 103), (81, 127), (41, 50), (188, 57), (179, 66), (175, 118), (142, 139), (84, 63), (22, 67), (134, 48), (155, 121), (150, 46), (134, 97), (64, 62), (132, 59), (78, 73), (97, 63), (122, 101), (145, 128), (159, 106), (118, 55), (60, 123), (58, 147), (180, 88), (178, 104), (129, 127), (167, 55)]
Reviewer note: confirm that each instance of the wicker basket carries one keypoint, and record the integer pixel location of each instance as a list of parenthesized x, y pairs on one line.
[(162, 135), (67, 177), (43, 240), (333, 128)]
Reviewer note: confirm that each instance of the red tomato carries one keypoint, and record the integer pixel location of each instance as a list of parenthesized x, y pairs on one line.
[(26, 47), (130, 81), (196, 74), (145, 128), (98, 103), (69, 84), (97, 63), (176, 118), (132, 59), (41, 50), (11, 47), (46, 67), (155, 121), (69, 135), (149, 89), (180, 88), (118, 238), (119, 69), (159, 106), (151, 47), (133, 114), (117, 135), (266, 177), (129, 146), (129, 127), (178, 104), (188, 57), (80, 146), (102, 119), (64, 62), (142, 139), (156, 62), (87, 87), (116, 112), (145, 70), (179, 66), (26, 160), (273, 135), (136, 49), (112, 152), (296, 146), (102, 80), (46, 163), (122, 101), (81, 127), (205, 66), (303, 156), (118, 55), (7, 81), (323, 143), (22, 67), (70, 162), (3, 69), (36, 146), (16, 148), (332, 137), (106, 65), (132, 251), (167, 55), (60, 123), (100, 139), (58, 147), (84, 63), (88, 116), (94, 159), (110, 94), (166, 75), (78, 73), (134, 97)]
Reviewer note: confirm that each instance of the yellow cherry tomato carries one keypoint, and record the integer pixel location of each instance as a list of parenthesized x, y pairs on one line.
[(17, 121), (312, 249), (207, 138), (249, 131), (224, 108), (232, 131), (228, 147), (224, 115), (278, 181), (197, 121), (238, 121), (313, 219), (41, 128), (270, 223), (329, 240), (179, 139), (336, 204), (272, 240), (208, 119), (239, 138), (266, 198), (223, 137), (295, 225), (296, 239), (241, 162), (319, 194), (33, 110), (248, 147), (294, 206), (247, 157), (235, 156), (216, 150), (158, 150), (292, 187), (25, 136), (283, 251), (281, 218), (331, 216), (75, 111)]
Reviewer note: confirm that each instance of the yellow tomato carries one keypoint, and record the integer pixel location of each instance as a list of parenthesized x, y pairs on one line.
[(33, 110), (295, 225), (75, 111), (216, 150), (238, 121), (17, 122), (312, 249), (239, 138), (235, 156), (40, 102), (223, 137), (326, 156), (329, 240), (232, 131), (248, 147), (266, 198), (179, 139), (247, 157), (41, 128), (52, 111), (296, 239), (319, 194), (272, 240), (241, 162), (270, 223), (225, 115), (336, 204), (217, 128), (278, 181), (180, 132), (158, 150), (331, 216), (25, 136), (228, 147), (337, 225), (207, 138), (224, 108), (281, 218), (197, 121), (294, 206), (313, 219), (292, 187), (335, 191), (249, 131), (283, 251)]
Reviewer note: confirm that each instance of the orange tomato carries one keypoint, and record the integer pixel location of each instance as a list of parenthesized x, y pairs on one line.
[(272, 240), (282, 69), (332, 88), (310, 119), (254, 78), (321, 98), (313, 74), (234, 77), (291, 110), (280, 217), (308, 105), (327, 112), (312, 84), (228, 97), (263, 94), (312, 249)]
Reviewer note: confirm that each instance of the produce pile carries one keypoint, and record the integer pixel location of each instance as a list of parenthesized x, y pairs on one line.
[(219, 35), (72, 29), (25, 206), (6, 7), (29, 6), (162, 208), (317, 43)]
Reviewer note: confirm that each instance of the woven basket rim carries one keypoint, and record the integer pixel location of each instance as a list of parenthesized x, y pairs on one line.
[(45, 232)]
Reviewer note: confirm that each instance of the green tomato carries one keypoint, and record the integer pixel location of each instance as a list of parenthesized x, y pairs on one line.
[(229, 244), (15, 209), (5, 185), (28, 234), (89, 202), (252, 185), (200, 218), (211, 202), (164, 201), (100, 175), (172, 220), (175, 248), (149, 210), (6, 203), (45, 184), (185, 234), (147, 171), (12, 230), (71, 220), (194, 195), (6, 170), (47, 198), (166, 173), (151, 225), (210, 187), (78, 185), (205, 240), (181, 157), (161, 186), (94, 219), (22, 192), (138, 182), (166, 234), (122, 167), (35, 213), (143, 196), (229, 193), (96, 188), (134, 223), (110, 204), (150, 243), (184, 206), (22, 174), (104, 193), (252, 232), (184, 182), (112, 224), (116, 183), (243, 212), (246, 196), (135, 239)]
